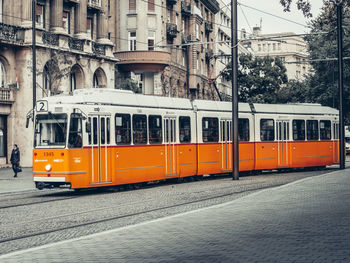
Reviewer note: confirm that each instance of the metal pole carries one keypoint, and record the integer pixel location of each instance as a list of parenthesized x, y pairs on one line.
[(234, 67), (340, 85), (34, 50)]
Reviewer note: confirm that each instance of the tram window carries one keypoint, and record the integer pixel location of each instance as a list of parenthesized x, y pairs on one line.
[(103, 130), (94, 131), (108, 130), (122, 129), (298, 130), (185, 129), (75, 131), (50, 130), (325, 130), (312, 130), (155, 129), (210, 129), (267, 130), (139, 123), (243, 130), (89, 134)]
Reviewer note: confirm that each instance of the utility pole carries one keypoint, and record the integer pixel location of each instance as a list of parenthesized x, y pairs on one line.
[(340, 84), (234, 67), (34, 50)]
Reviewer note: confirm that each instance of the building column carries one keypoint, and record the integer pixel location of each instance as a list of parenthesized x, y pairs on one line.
[(102, 24), (56, 13), (26, 20), (80, 20)]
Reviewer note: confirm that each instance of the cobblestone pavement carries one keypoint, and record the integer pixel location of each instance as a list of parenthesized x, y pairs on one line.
[(304, 221)]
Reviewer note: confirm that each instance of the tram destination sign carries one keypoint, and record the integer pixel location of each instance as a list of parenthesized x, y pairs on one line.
[(41, 105)]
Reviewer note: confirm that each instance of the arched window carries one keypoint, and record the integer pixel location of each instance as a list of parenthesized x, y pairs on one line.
[(95, 81), (46, 82), (99, 79), (76, 78), (2, 74)]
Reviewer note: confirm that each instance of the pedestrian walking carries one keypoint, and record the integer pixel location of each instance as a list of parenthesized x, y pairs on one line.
[(15, 158)]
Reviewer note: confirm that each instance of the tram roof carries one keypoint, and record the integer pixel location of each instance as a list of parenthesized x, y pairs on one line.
[(128, 98), (122, 98), (298, 108)]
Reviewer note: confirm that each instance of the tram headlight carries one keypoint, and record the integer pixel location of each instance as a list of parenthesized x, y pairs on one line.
[(48, 167)]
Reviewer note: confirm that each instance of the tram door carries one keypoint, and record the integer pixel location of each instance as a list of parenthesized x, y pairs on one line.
[(282, 143), (99, 139), (226, 148), (170, 149), (336, 143)]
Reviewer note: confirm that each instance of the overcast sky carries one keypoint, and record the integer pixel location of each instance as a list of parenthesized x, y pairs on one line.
[(248, 17)]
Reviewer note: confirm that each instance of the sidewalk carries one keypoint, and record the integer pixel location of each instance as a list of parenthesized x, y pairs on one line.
[(304, 221), (9, 184)]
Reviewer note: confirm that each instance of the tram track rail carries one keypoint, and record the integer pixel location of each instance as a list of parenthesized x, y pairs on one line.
[(128, 215)]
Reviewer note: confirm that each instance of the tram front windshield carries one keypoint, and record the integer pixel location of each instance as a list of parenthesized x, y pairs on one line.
[(50, 130)]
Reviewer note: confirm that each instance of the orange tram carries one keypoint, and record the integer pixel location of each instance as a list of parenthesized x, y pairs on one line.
[(105, 137)]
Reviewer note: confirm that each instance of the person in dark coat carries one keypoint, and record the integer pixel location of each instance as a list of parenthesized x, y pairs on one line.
[(15, 158)]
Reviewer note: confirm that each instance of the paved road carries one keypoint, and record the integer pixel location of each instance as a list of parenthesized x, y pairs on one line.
[(304, 221), (9, 184)]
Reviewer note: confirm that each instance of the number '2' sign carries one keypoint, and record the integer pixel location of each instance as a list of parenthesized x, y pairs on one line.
[(41, 105)]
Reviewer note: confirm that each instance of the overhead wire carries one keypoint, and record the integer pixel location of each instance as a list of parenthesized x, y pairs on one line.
[(267, 13)]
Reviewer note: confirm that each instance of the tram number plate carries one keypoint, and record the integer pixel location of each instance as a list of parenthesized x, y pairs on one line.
[(41, 105)]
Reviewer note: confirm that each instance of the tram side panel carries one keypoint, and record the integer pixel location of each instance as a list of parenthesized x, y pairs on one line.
[(312, 142), (187, 148), (246, 136), (265, 145), (209, 152), (136, 160), (77, 160)]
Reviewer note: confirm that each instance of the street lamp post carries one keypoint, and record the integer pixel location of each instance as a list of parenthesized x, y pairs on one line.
[(234, 67), (340, 84), (34, 50)]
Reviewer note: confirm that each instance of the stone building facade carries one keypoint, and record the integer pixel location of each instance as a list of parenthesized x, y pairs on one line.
[(290, 47), (168, 45), (165, 45), (72, 50), (223, 49)]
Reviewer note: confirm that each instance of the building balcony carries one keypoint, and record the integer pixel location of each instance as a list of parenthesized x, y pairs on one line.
[(185, 9), (76, 44), (9, 33), (95, 4), (49, 38), (213, 5), (99, 49), (143, 60), (171, 2), (171, 31), (6, 95), (71, 1), (209, 27)]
